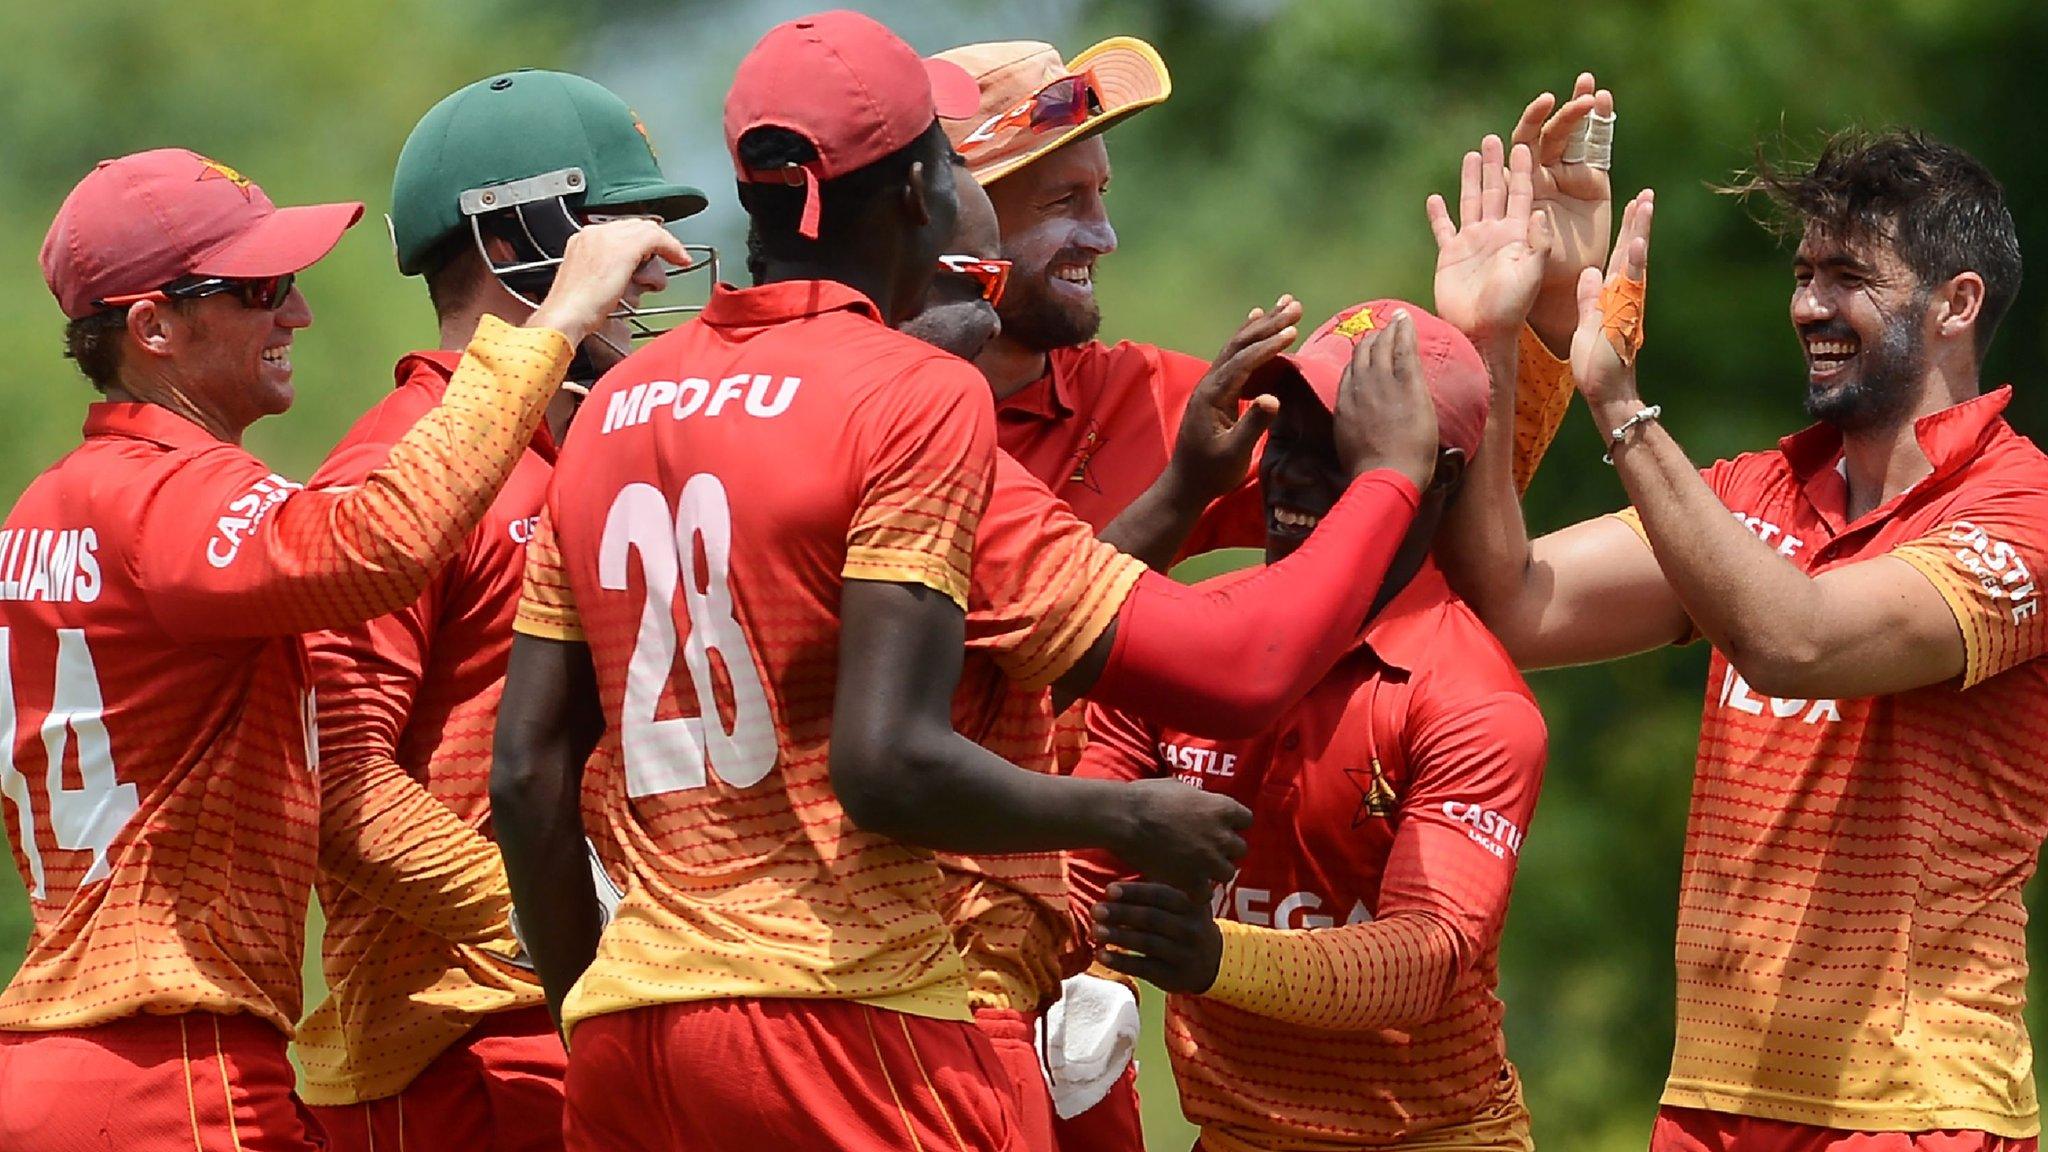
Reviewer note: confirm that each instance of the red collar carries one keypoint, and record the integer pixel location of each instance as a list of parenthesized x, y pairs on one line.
[(771, 304), (1950, 439), (151, 422), (1405, 632), (1047, 398), (431, 369)]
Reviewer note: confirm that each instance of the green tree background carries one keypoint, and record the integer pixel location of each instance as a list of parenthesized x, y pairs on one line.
[(1294, 156)]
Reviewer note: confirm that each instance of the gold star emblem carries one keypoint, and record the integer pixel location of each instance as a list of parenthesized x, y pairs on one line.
[(1355, 325), (1375, 796), (215, 170)]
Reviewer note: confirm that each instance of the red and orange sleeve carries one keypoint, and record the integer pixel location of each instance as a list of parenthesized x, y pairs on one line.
[(1987, 563), (547, 606), (1543, 394), (382, 834), (227, 549), (1443, 897), (1044, 589), (925, 449)]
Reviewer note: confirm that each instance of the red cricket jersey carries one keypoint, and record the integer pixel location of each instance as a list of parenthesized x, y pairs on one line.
[(721, 486), (1395, 795), (1851, 936), (155, 709), (1098, 429), (413, 889)]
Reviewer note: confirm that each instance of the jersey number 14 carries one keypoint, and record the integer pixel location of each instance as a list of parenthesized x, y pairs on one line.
[(672, 755), (85, 818)]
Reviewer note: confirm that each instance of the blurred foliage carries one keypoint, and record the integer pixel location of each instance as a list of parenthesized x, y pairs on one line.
[(1294, 156)]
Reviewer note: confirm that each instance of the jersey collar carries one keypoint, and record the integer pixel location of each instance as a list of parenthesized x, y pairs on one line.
[(783, 301), (1050, 397), (1403, 636), (1950, 439), (152, 422)]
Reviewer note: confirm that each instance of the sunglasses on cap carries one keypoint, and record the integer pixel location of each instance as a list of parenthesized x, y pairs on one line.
[(1065, 102), (991, 276), (265, 292)]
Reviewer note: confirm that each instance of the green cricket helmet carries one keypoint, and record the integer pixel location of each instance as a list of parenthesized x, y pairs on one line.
[(530, 157)]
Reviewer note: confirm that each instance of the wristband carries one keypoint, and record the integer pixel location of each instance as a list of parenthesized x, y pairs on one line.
[(1642, 416)]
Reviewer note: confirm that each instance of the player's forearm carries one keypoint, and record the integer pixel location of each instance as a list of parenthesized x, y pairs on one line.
[(1155, 525), (1752, 604), (534, 809), (371, 550), (1278, 632), (1483, 543), (950, 794), (1391, 973), (386, 838)]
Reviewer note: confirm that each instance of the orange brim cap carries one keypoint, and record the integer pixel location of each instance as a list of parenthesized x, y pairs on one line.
[(1130, 77)]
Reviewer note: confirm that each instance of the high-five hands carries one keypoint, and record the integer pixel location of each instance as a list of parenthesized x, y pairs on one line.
[(1491, 263), (1575, 194)]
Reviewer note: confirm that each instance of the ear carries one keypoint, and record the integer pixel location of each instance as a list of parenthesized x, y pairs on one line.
[(1450, 470), (154, 326), (497, 248), (917, 194), (1957, 304)]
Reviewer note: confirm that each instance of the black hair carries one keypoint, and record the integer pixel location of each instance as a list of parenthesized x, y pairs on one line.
[(774, 211), (1934, 204), (94, 344)]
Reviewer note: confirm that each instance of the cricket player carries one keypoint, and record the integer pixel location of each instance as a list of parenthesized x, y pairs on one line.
[(431, 1035), (784, 493), (1865, 809), (1339, 992), (1050, 603), (1093, 421), (159, 775)]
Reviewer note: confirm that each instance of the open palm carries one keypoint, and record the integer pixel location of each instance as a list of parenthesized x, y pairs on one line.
[(1578, 198), (1491, 263)]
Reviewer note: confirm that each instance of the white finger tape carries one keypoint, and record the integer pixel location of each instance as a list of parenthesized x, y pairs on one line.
[(1593, 142)]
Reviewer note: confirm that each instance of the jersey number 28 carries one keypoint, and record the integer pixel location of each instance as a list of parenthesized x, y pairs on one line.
[(672, 755), (85, 818)]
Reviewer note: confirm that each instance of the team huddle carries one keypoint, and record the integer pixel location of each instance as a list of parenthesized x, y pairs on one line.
[(780, 734)]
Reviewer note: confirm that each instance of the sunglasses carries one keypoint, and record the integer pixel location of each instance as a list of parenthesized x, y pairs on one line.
[(1065, 102), (991, 276), (266, 292)]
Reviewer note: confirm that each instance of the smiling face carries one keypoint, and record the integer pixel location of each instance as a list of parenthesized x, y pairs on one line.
[(1055, 226), (232, 361), (1862, 318), (1299, 473)]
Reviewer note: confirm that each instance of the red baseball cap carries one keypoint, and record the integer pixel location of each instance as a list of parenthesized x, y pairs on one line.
[(1457, 378), (848, 85), (139, 222)]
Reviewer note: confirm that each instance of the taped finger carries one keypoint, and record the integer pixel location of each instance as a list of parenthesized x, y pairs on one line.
[(1592, 143), (1621, 315)]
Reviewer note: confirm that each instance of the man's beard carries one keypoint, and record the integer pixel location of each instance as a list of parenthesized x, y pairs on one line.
[(1884, 382), (1032, 317)]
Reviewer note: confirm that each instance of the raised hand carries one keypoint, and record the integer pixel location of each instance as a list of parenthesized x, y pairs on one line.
[(598, 268), (1160, 935), (1384, 417), (1611, 315), (1218, 433), (1490, 263), (1576, 196)]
